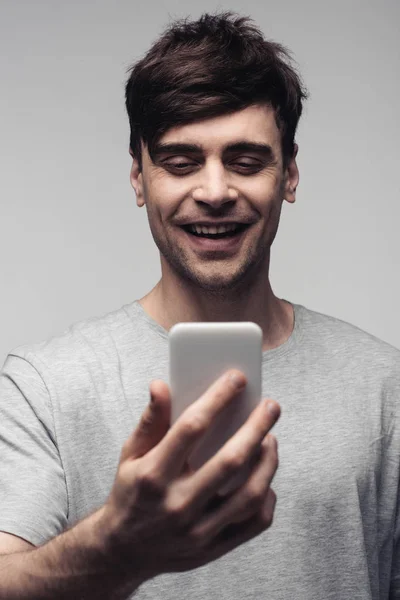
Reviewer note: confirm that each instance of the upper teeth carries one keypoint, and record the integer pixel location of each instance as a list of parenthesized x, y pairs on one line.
[(213, 228)]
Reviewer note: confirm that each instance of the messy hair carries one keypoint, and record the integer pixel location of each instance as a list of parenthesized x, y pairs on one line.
[(213, 66)]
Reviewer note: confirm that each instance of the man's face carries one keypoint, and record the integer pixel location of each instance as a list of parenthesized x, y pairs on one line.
[(226, 169)]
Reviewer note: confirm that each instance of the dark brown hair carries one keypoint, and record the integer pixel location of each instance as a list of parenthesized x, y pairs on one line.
[(213, 66)]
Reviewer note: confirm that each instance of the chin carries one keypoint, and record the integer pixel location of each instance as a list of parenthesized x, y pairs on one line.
[(216, 283), (213, 276)]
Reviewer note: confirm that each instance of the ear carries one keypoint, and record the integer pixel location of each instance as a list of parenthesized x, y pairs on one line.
[(136, 179), (291, 178)]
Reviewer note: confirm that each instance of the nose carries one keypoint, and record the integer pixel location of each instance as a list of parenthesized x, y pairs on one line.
[(214, 188)]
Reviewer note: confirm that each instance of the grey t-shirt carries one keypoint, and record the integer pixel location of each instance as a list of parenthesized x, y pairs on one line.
[(68, 404)]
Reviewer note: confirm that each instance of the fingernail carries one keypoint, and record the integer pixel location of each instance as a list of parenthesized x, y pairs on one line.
[(273, 409), (238, 379)]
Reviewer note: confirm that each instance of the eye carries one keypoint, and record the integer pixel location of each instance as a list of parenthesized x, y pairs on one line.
[(247, 166), (179, 167)]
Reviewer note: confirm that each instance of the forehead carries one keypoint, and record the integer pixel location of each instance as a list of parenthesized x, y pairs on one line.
[(254, 123)]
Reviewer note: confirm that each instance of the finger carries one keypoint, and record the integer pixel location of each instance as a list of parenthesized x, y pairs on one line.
[(174, 450), (246, 501), (153, 425), (234, 455), (234, 535)]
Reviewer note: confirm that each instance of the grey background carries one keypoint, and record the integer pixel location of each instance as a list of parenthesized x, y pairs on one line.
[(73, 243)]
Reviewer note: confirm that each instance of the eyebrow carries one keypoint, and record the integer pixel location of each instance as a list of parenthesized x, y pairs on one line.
[(241, 146)]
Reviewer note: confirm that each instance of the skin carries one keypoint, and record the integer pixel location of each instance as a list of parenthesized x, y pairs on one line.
[(216, 185)]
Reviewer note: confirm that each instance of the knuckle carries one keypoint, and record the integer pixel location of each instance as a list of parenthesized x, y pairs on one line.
[(176, 514), (124, 475), (178, 511), (254, 497), (233, 461), (149, 482), (194, 425)]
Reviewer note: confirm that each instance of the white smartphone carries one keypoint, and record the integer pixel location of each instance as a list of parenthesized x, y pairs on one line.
[(199, 353)]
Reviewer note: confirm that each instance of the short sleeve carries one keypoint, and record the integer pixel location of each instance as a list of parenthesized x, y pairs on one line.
[(33, 494), (394, 436), (395, 576)]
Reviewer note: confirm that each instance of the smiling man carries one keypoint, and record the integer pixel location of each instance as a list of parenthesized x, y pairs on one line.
[(97, 498)]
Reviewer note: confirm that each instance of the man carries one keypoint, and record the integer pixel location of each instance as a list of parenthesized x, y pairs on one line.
[(213, 110)]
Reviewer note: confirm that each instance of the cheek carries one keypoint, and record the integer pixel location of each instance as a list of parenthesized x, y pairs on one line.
[(167, 198), (263, 190), (268, 207), (160, 210)]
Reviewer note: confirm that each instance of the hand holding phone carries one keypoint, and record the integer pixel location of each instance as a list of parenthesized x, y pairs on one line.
[(164, 519)]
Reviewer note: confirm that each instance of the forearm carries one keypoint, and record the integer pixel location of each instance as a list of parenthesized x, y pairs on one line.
[(74, 565)]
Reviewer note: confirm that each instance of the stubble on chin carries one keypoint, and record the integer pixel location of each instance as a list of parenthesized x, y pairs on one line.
[(213, 277)]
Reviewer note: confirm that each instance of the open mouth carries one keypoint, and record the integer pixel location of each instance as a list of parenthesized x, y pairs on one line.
[(232, 232)]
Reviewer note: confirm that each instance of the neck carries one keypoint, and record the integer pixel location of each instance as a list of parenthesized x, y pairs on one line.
[(171, 302)]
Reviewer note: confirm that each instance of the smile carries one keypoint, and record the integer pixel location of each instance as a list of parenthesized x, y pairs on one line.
[(215, 231), (215, 244)]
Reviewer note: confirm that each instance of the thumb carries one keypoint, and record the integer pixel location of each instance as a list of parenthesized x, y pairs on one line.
[(153, 425)]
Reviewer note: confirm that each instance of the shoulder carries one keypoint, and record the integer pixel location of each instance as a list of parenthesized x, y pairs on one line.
[(351, 354), (327, 331), (80, 343)]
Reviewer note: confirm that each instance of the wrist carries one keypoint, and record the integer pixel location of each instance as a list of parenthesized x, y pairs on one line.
[(115, 554)]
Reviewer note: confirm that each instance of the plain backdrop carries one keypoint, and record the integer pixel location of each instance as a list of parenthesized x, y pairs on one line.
[(73, 243)]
